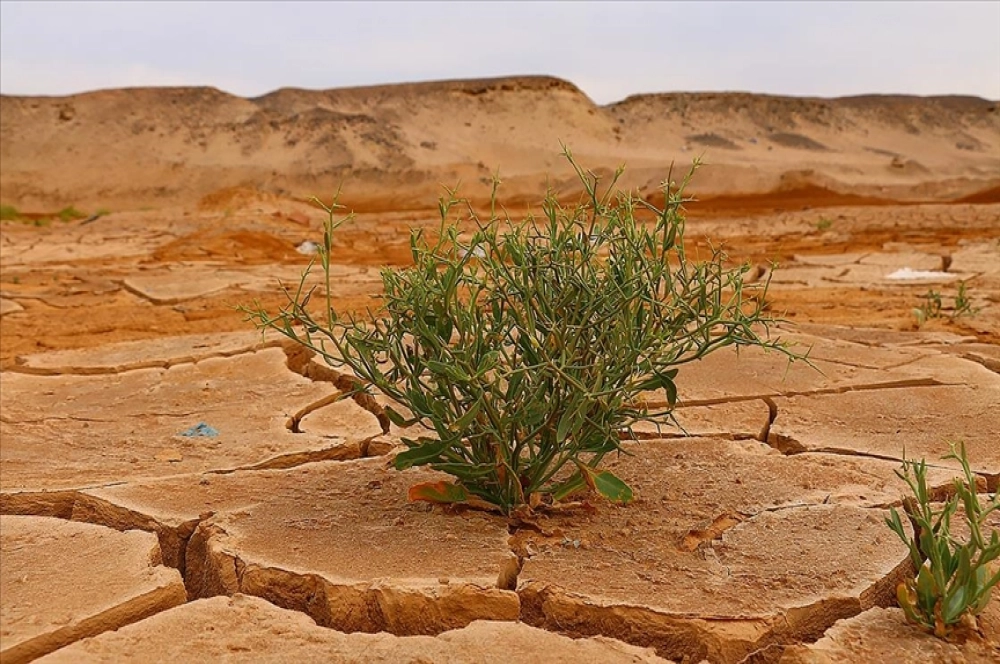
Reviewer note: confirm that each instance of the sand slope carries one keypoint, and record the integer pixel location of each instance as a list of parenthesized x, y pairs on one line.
[(393, 146)]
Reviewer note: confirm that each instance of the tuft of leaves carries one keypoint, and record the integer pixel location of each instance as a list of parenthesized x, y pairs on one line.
[(525, 347), (953, 581)]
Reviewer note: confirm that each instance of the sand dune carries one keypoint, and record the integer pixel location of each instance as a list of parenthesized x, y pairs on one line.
[(392, 147)]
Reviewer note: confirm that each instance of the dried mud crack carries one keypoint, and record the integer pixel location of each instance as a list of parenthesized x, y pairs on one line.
[(902, 383), (81, 506), (300, 361), (128, 356), (706, 507), (127, 583), (654, 606), (384, 589), (755, 539)]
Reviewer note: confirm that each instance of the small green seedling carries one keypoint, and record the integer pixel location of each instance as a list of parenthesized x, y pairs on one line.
[(824, 224), (933, 305), (930, 308), (963, 303), (954, 579)]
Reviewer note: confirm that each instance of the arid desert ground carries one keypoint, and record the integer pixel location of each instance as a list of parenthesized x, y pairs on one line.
[(174, 485)]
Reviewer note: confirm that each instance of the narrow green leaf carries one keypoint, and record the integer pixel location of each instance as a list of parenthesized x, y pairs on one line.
[(606, 484), (984, 590), (962, 565), (418, 402), (513, 385), (465, 470), (462, 423), (488, 362), (661, 380), (947, 562), (927, 590), (444, 327), (955, 605), (448, 370), (896, 524), (567, 488), (649, 384), (893, 520), (423, 452), (396, 418), (570, 420), (670, 389)]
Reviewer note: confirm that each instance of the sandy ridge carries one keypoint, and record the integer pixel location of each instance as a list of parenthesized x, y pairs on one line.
[(130, 148)]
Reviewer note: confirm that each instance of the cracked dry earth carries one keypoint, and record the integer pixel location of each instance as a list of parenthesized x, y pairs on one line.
[(757, 535)]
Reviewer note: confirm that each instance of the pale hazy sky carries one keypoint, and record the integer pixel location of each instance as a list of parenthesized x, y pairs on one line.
[(610, 50)]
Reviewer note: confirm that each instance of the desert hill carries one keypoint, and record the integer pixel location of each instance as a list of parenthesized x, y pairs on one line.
[(392, 147)]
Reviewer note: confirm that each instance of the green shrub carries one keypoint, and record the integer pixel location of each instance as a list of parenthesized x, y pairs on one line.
[(953, 579), (526, 347), (70, 214), (9, 213)]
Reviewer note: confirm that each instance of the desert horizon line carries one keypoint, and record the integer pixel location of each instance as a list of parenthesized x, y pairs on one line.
[(511, 78)]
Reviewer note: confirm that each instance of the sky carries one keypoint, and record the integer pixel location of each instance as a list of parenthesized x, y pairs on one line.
[(609, 50)]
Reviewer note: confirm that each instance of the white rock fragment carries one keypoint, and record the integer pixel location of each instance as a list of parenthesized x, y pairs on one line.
[(909, 274)]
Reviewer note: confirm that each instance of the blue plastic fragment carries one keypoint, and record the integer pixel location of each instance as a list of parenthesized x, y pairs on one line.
[(199, 430)]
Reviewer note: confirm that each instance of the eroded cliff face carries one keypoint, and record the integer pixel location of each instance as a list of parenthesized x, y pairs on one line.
[(393, 146)]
